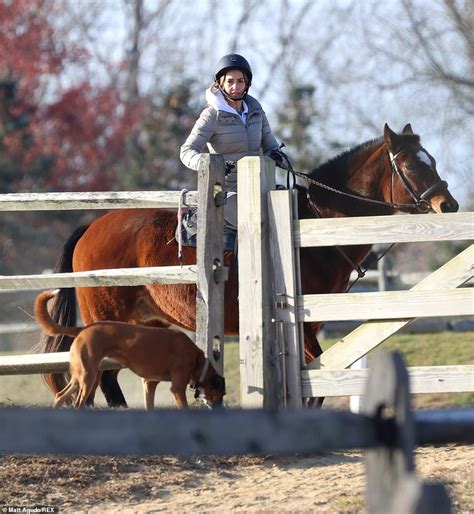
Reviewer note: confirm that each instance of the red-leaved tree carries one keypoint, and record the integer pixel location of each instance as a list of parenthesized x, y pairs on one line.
[(56, 133), (54, 137)]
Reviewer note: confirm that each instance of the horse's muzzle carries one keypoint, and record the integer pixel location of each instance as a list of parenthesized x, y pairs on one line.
[(449, 206)]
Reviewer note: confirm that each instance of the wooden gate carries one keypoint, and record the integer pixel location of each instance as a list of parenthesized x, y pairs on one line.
[(273, 330)]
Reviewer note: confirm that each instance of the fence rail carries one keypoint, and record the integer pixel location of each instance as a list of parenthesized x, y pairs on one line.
[(202, 432), (423, 379), (102, 278), (94, 200), (30, 364), (386, 305), (384, 229)]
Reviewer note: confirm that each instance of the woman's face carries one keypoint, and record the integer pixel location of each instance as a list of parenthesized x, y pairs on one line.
[(234, 83)]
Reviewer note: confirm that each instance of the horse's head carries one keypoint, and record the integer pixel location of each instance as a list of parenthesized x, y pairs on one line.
[(414, 179)]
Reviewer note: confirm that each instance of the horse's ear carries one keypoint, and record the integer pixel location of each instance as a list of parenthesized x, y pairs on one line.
[(407, 129), (388, 135)]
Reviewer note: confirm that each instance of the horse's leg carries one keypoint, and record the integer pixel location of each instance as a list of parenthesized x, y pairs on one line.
[(315, 401), (111, 389), (312, 349)]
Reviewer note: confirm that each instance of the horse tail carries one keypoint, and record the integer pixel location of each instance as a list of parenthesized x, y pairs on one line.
[(63, 312), (46, 322)]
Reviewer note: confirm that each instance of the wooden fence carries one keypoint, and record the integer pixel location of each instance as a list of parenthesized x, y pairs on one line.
[(274, 310), (387, 428), (208, 274), (270, 325)]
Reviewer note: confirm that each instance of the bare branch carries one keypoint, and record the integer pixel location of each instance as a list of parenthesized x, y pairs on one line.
[(248, 9), (285, 38), (464, 24)]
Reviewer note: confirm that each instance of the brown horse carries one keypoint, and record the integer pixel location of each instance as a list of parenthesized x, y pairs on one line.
[(390, 174)]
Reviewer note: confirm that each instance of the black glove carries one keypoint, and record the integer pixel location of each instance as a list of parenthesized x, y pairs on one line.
[(280, 159), (229, 167)]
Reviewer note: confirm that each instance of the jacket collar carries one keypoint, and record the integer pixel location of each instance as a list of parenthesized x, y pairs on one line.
[(216, 99)]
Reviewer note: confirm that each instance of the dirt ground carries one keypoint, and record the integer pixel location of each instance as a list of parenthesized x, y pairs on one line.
[(332, 483)]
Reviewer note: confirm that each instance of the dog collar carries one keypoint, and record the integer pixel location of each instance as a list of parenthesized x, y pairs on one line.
[(200, 380)]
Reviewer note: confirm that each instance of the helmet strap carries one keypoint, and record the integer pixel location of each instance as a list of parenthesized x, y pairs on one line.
[(222, 90)]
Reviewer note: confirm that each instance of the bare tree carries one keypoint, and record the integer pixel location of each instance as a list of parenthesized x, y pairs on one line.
[(428, 58), (446, 51), (364, 62)]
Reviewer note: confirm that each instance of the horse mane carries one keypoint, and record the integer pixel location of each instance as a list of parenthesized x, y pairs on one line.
[(336, 166)]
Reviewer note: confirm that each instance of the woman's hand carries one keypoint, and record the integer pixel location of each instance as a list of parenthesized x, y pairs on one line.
[(280, 158), (229, 167)]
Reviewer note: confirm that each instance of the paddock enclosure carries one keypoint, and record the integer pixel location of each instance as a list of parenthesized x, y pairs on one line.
[(272, 367)]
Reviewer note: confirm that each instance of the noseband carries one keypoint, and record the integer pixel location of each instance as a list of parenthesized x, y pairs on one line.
[(421, 202)]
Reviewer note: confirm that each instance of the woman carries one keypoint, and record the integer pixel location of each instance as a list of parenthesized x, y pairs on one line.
[(234, 125)]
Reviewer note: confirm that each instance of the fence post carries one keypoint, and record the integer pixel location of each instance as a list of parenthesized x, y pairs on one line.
[(392, 485), (211, 274), (286, 289), (259, 361)]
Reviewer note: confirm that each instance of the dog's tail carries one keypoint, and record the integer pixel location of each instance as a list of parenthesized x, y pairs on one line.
[(45, 320), (63, 311)]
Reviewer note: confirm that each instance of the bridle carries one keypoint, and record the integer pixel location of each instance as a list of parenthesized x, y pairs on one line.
[(421, 203)]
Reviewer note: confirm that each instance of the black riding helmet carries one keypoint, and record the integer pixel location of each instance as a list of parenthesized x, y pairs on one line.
[(233, 62)]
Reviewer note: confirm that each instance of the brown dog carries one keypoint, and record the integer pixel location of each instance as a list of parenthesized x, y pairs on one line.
[(155, 354)]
